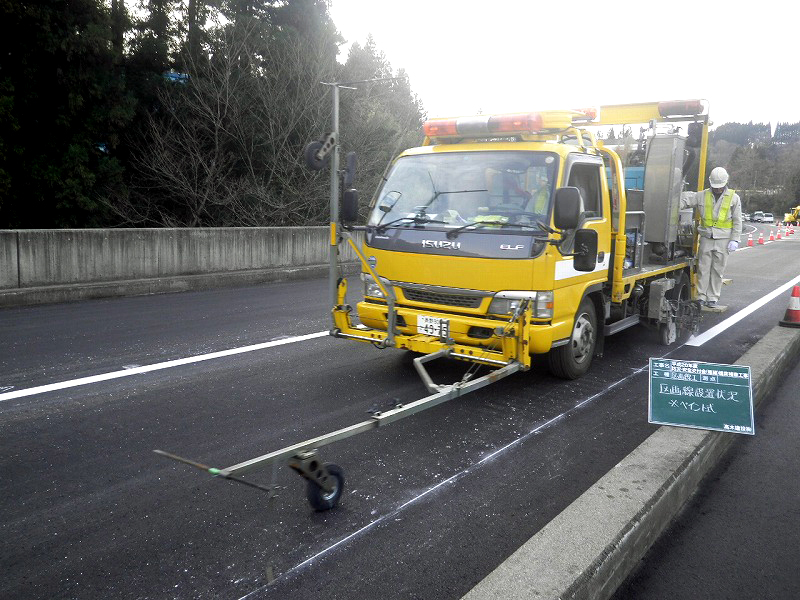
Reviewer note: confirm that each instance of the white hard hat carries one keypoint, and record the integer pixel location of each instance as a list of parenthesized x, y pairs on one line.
[(718, 178)]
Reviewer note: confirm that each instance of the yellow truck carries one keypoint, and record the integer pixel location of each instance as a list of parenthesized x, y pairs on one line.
[(509, 235), (506, 236)]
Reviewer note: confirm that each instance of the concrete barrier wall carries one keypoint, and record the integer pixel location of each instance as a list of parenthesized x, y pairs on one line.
[(9, 273), (35, 258)]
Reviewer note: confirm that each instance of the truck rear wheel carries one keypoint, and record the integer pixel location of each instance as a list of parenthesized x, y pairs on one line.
[(574, 359)]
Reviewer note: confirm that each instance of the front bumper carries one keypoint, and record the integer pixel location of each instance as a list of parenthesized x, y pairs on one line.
[(475, 338)]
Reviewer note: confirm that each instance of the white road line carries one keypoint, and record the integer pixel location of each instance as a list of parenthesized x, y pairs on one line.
[(733, 319), (156, 367)]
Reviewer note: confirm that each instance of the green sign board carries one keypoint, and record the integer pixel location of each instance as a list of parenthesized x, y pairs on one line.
[(701, 395)]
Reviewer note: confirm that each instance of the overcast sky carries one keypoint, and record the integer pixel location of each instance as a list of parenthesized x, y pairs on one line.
[(466, 56)]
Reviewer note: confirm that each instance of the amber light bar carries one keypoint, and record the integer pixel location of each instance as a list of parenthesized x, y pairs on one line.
[(484, 125), (679, 108)]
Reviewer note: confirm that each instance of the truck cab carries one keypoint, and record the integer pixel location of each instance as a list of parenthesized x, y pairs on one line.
[(496, 216)]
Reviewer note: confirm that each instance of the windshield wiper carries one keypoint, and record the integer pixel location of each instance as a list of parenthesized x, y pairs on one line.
[(545, 228), (453, 233), (417, 219)]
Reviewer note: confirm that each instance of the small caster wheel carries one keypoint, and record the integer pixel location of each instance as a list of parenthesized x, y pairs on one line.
[(321, 500), (310, 155)]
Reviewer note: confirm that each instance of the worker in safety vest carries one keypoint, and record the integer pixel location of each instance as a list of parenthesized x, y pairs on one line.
[(720, 211), (539, 196)]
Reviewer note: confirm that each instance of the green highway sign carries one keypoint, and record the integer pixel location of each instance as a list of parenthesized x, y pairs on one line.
[(701, 395)]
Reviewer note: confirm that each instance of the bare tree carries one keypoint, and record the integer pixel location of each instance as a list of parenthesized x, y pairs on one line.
[(224, 148)]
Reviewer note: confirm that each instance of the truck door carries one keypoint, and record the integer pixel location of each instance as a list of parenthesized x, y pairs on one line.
[(587, 174)]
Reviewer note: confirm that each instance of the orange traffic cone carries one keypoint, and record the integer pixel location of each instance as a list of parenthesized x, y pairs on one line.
[(771, 235), (792, 316), (779, 234), (750, 239), (760, 237)]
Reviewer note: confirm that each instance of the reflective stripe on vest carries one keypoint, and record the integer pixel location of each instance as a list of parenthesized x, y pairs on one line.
[(723, 220)]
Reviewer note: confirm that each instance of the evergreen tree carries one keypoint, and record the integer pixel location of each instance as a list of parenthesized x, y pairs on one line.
[(62, 104), (380, 118), (786, 133)]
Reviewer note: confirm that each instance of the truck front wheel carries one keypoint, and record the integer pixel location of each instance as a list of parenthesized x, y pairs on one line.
[(574, 359)]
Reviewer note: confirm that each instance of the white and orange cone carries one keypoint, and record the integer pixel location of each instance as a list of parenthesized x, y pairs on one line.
[(760, 237), (777, 237), (792, 316), (771, 235), (750, 239)]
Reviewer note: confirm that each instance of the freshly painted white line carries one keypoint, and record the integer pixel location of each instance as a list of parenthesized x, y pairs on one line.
[(127, 372), (733, 319)]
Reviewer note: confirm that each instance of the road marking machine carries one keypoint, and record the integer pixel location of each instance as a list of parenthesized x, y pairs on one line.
[(504, 236)]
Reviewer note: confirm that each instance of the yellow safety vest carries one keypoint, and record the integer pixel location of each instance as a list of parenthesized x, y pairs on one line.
[(540, 201), (723, 220)]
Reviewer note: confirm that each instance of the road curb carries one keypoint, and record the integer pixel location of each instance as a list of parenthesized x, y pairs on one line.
[(589, 549), (159, 285)]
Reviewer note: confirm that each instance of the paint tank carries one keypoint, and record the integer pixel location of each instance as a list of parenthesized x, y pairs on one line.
[(663, 181)]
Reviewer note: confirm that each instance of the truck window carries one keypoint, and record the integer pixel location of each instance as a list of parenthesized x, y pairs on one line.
[(586, 177), (493, 191)]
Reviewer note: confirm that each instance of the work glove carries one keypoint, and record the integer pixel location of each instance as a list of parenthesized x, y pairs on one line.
[(732, 246)]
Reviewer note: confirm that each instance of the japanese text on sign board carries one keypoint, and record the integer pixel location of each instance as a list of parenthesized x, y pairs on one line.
[(701, 395)]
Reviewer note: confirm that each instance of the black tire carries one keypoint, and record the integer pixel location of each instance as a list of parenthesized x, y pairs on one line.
[(574, 359), (321, 500), (310, 154)]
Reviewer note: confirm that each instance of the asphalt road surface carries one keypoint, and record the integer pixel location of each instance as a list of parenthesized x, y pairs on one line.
[(432, 503)]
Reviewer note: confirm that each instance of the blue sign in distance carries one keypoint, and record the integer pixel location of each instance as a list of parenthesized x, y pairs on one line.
[(700, 395)]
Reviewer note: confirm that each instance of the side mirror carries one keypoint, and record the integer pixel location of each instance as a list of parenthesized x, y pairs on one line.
[(349, 212), (349, 170), (567, 209), (585, 247)]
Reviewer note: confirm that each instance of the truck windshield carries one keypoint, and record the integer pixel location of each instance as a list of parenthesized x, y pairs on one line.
[(485, 190)]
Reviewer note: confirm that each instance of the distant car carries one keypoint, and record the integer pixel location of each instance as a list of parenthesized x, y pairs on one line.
[(758, 216), (746, 216), (768, 218)]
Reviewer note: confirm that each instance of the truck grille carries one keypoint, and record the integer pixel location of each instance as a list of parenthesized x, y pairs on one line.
[(440, 298)]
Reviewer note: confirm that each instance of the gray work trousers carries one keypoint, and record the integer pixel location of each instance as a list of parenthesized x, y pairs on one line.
[(711, 267)]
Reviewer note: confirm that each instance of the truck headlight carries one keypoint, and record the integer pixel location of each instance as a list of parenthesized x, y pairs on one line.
[(503, 306), (506, 302), (371, 287)]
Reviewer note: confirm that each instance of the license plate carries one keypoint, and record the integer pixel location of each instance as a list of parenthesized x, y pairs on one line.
[(433, 326)]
